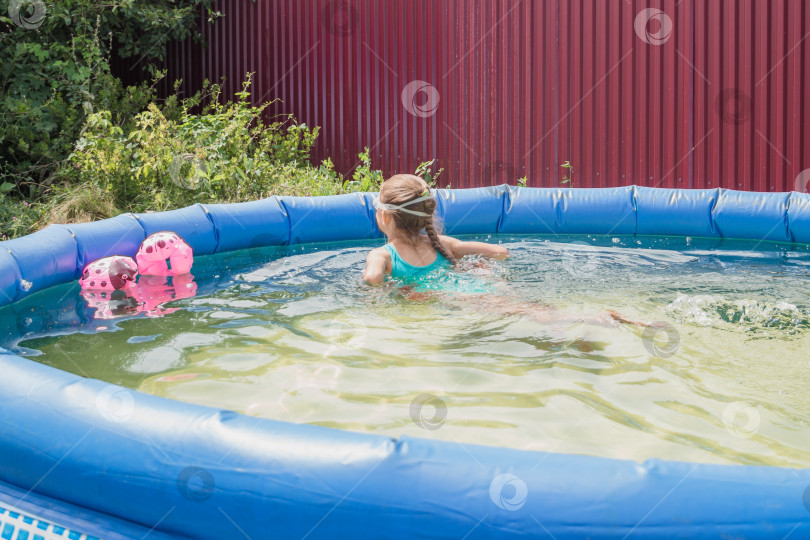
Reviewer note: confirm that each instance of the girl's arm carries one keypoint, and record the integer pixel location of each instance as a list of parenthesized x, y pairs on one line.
[(460, 248), (376, 262)]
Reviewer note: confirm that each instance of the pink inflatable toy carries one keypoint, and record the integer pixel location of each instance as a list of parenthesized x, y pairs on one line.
[(109, 274), (161, 247)]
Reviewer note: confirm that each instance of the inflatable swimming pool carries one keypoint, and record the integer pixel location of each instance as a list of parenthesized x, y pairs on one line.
[(82, 458)]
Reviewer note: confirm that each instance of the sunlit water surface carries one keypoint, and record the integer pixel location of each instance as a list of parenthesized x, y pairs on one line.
[(293, 334)]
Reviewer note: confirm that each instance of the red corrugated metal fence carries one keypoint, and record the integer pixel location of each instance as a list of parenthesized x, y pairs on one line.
[(673, 93)]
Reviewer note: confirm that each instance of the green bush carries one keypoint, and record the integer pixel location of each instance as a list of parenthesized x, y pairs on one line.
[(176, 158), (173, 159), (56, 70), (77, 145), (17, 217)]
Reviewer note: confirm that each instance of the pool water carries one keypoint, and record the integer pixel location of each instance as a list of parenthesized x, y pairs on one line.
[(293, 334)]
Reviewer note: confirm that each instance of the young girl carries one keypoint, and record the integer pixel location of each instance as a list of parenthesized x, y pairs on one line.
[(426, 262)]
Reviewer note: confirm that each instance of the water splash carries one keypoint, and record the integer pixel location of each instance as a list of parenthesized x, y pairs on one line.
[(745, 314)]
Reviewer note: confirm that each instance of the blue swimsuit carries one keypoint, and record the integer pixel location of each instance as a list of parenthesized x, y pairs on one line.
[(436, 276)]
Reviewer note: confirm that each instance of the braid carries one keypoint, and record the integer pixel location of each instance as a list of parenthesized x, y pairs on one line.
[(437, 244)]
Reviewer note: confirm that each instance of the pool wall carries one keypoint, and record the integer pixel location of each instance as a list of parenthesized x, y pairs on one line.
[(136, 465)]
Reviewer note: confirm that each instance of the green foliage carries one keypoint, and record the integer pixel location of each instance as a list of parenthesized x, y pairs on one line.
[(77, 145), (17, 217), (425, 171), (226, 153), (364, 177), (522, 181), (171, 157), (56, 71), (568, 174)]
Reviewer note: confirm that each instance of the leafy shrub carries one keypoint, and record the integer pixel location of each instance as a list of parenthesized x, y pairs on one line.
[(77, 145), (224, 154), (56, 70), (364, 178), (17, 217)]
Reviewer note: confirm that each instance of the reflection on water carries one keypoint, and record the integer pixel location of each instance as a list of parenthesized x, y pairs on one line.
[(293, 334), (148, 297)]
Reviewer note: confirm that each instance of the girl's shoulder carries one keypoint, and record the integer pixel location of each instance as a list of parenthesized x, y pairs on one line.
[(382, 251), (380, 257), (449, 242)]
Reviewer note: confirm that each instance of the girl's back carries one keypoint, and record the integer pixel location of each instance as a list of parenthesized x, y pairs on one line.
[(436, 273), (409, 260)]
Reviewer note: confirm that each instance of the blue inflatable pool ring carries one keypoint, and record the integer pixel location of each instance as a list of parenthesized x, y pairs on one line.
[(82, 458)]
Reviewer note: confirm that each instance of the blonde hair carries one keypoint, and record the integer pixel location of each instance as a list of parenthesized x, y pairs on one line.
[(402, 188)]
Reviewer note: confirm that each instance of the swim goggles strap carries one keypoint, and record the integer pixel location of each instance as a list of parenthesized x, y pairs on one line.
[(385, 206)]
